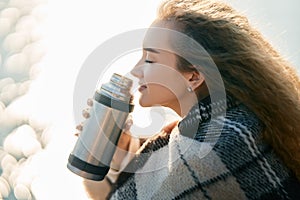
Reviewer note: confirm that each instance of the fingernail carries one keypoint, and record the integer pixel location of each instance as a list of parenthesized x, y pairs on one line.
[(85, 114), (90, 102), (79, 127)]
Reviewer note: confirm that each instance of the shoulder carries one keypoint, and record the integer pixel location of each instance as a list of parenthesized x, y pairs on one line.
[(232, 125), (242, 115), (241, 120), (239, 134)]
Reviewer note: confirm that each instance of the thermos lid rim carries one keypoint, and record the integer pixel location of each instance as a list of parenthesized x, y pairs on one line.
[(87, 167), (114, 103)]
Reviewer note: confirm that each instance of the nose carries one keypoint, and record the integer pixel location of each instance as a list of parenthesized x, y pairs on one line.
[(137, 71)]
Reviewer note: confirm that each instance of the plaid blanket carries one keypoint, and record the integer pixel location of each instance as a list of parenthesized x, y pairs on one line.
[(210, 155)]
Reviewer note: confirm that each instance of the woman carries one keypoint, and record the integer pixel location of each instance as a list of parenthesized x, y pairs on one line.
[(243, 146)]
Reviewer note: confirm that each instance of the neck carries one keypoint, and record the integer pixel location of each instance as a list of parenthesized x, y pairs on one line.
[(183, 106), (188, 100)]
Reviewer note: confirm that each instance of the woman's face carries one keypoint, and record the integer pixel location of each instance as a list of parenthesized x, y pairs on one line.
[(160, 81)]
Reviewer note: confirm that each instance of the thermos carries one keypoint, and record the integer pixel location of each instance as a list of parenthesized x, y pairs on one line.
[(96, 144)]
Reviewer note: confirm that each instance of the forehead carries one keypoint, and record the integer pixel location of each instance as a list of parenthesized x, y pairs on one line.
[(160, 35), (167, 36)]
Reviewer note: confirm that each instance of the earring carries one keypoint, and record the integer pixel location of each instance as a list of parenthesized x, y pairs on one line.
[(189, 89)]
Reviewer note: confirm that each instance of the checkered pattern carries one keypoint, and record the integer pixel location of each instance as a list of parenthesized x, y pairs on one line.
[(216, 152)]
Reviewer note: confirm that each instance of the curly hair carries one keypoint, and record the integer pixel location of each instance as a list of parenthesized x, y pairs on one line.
[(251, 69)]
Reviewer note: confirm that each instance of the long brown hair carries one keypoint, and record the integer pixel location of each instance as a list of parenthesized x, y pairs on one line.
[(251, 69)]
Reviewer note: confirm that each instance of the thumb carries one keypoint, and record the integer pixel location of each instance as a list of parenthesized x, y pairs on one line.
[(169, 127), (128, 123)]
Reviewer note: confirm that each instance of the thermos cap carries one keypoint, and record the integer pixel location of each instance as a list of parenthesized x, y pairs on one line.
[(98, 140), (118, 88), (121, 80)]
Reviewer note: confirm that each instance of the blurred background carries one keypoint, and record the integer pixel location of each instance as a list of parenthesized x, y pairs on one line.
[(43, 44)]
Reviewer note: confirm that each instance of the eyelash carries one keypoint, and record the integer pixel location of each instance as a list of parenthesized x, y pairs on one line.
[(148, 61)]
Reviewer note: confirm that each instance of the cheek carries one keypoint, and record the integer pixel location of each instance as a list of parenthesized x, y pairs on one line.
[(157, 95), (161, 92), (165, 79)]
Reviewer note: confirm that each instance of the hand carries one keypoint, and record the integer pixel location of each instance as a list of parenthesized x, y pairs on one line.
[(99, 190), (125, 137), (85, 114), (170, 127)]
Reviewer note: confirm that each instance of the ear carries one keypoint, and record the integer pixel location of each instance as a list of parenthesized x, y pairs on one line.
[(195, 79)]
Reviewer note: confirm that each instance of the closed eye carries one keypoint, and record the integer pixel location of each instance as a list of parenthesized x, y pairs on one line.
[(148, 61)]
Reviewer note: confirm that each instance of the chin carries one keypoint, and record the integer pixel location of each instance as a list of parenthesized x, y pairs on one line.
[(145, 103)]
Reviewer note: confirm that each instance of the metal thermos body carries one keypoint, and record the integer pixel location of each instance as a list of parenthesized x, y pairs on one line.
[(96, 144)]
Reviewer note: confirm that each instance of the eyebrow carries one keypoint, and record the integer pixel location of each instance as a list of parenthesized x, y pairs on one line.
[(151, 50)]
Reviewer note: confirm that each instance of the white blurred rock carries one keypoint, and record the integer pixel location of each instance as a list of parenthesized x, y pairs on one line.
[(11, 13), (4, 187), (31, 147), (17, 64), (22, 142), (33, 113), (25, 131), (22, 163), (35, 71), (15, 114), (13, 145), (9, 164), (38, 124), (6, 174), (22, 192), (5, 81), (25, 6), (25, 176), (46, 137), (22, 3), (35, 52), (2, 108), (40, 12), (8, 170), (8, 93), (8, 161), (2, 154), (7, 124), (37, 34), (4, 181), (12, 179), (5, 26), (24, 87), (26, 23), (16, 41), (3, 4)]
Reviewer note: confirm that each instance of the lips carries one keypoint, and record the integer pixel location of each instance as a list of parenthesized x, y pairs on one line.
[(142, 88)]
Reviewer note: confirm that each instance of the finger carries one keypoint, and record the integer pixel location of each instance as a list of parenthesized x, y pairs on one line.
[(79, 127), (86, 113), (90, 102), (127, 125), (170, 127), (124, 141)]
